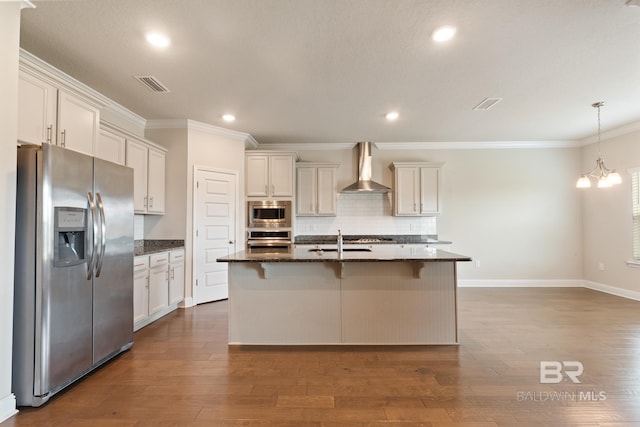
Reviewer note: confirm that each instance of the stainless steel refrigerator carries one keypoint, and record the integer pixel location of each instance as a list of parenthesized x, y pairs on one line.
[(73, 304)]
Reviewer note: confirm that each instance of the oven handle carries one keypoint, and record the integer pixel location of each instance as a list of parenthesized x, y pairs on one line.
[(268, 242)]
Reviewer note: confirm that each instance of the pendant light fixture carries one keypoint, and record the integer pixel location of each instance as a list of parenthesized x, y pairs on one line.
[(605, 177)]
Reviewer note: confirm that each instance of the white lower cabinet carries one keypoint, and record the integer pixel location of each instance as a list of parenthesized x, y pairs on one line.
[(158, 282), (140, 289), (176, 276), (158, 286)]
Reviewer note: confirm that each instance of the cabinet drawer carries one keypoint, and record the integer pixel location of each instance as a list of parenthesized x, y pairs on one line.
[(176, 256), (159, 260), (140, 263)]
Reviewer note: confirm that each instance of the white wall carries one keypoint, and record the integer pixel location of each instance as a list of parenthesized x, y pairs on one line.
[(9, 41), (607, 217), (515, 210), (192, 144)]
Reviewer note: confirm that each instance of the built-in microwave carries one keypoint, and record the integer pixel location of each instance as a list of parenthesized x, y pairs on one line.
[(269, 214)]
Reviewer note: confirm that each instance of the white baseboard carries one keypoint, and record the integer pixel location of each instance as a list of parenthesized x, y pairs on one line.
[(563, 283), (625, 293), (187, 302), (8, 407), (490, 283)]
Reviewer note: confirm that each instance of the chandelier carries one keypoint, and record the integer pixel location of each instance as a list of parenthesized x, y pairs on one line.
[(604, 177)]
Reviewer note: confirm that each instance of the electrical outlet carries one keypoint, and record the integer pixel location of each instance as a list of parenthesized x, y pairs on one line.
[(601, 266), (477, 264)]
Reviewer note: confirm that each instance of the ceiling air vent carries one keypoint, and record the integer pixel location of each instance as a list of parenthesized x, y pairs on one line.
[(487, 103), (152, 84)]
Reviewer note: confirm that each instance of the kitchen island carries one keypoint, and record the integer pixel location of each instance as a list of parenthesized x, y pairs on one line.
[(384, 295)]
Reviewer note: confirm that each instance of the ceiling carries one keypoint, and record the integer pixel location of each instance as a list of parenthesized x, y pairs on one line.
[(327, 71)]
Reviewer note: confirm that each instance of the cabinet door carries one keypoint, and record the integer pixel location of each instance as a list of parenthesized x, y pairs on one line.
[(37, 104), (77, 123), (257, 174), (176, 277), (140, 289), (155, 182), (429, 194), (111, 147), (327, 194), (407, 190), (158, 285), (281, 176), (306, 194), (136, 158)]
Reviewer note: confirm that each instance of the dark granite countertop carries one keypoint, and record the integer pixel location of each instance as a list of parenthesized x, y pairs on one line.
[(394, 239), (146, 247), (379, 253)]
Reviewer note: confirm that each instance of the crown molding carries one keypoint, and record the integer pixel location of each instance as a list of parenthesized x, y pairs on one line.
[(35, 66), (249, 141), (40, 69), (308, 147), (474, 145), (612, 133)]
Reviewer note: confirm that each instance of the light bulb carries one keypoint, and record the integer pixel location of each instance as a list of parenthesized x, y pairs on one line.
[(443, 34), (614, 178), (583, 182), (603, 182)]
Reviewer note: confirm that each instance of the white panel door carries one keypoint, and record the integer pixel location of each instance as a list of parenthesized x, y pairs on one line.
[(215, 231)]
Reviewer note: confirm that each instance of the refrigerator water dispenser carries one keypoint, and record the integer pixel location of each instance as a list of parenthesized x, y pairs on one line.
[(70, 236)]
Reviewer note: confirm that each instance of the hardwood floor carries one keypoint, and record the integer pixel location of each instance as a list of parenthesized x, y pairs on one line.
[(180, 372)]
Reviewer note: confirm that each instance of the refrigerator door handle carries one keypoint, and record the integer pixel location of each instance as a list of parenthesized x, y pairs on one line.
[(94, 222), (103, 234)]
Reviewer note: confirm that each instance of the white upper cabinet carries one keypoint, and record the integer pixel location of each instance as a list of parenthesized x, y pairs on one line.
[(416, 188), (47, 114), (316, 189), (156, 181), (111, 146), (148, 163), (78, 123), (37, 109), (270, 175)]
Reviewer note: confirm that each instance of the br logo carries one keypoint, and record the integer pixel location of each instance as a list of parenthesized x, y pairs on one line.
[(553, 371)]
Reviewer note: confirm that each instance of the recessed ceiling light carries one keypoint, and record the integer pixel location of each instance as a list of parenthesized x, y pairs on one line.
[(228, 118), (158, 40), (443, 34), (391, 116)]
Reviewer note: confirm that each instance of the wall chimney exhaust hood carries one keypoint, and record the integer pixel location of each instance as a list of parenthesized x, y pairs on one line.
[(364, 183)]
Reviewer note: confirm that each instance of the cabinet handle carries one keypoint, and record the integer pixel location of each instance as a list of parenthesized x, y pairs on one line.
[(49, 130), (266, 189), (147, 283), (63, 138), (150, 202), (145, 201), (172, 275)]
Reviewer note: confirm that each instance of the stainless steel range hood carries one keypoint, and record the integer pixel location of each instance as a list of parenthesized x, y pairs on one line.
[(364, 183)]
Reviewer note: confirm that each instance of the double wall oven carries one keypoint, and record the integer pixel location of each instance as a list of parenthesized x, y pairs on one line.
[(269, 226)]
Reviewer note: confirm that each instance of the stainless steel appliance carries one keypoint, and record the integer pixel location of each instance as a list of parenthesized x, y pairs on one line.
[(73, 304), (269, 213), (270, 240)]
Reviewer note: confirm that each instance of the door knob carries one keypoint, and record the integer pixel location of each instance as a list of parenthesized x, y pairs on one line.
[(231, 242)]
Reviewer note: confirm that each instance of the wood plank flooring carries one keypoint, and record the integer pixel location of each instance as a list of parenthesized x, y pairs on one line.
[(181, 372)]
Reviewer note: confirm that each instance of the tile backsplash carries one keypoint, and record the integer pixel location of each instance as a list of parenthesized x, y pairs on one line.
[(365, 214)]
